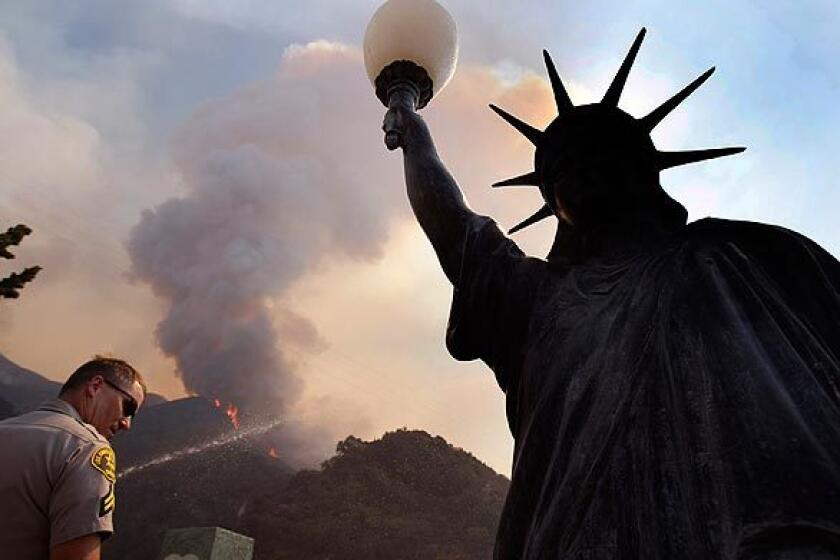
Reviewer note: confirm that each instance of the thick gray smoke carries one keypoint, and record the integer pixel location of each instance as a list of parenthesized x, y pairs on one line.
[(278, 177)]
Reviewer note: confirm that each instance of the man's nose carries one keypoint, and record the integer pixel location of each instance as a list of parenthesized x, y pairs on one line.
[(125, 423)]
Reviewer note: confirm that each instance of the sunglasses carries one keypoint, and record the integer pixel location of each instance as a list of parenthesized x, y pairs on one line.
[(129, 405)]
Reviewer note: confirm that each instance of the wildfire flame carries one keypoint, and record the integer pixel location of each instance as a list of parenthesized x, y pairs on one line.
[(233, 413), (273, 453), (231, 410)]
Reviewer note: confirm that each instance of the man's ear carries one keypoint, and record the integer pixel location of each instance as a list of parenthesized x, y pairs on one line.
[(94, 385)]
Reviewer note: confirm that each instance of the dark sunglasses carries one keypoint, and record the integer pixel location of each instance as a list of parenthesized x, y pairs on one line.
[(129, 407)]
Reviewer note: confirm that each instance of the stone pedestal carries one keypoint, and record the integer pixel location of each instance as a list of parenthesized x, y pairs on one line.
[(206, 543)]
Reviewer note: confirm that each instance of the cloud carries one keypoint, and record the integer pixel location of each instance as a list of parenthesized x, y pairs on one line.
[(31, 135), (58, 176)]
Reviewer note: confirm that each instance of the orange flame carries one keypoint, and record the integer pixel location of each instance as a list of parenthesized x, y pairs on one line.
[(217, 403), (233, 414), (273, 453)]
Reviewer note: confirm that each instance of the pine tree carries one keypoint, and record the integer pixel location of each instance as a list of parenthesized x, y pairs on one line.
[(11, 285)]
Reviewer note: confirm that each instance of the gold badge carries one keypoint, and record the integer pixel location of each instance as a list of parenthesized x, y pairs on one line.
[(105, 461)]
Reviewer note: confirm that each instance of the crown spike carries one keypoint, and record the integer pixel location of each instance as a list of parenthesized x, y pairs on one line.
[(561, 96), (650, 121), (540, 214), (666, 160), (531, 133), (528, 179), (617, 86)]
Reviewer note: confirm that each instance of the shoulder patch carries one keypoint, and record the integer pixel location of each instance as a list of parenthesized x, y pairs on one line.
[(105, 461)]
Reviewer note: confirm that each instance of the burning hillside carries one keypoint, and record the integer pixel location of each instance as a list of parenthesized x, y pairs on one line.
[(231, 410), (408, 495)]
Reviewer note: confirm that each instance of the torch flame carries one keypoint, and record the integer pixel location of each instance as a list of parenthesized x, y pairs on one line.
[(273, 453), (217, 403), (233, 414)]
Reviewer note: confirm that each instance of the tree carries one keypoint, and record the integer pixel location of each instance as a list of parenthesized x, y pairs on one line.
[(11, 285)]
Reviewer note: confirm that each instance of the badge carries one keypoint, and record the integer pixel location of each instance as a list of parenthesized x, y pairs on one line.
[(108, 502), (105, 461)]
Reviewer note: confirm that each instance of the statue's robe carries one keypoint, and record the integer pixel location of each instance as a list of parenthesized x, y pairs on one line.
[(675, 400)]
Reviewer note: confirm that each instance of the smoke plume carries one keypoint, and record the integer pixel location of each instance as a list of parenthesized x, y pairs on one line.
[(278, 177)]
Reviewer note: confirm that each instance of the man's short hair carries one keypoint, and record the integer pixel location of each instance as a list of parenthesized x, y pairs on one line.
[(114, 370)]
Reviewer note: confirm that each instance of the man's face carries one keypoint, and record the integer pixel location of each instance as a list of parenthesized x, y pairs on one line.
[(111, 405)]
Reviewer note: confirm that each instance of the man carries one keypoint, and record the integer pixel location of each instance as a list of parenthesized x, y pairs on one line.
[(57, 472), (673, 389)]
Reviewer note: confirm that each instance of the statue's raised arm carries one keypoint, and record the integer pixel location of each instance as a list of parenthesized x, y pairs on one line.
[(411, 50), (432, 191)]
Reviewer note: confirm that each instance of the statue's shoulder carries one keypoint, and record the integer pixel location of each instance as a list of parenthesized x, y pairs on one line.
[(742, 233), (760, 242), (719, 228)]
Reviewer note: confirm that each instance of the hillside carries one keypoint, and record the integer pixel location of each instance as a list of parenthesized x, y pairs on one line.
[(22, 389), (408, 495), (206, 488)]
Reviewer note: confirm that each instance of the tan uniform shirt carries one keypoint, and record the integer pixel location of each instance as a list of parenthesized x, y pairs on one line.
[(57, 479)]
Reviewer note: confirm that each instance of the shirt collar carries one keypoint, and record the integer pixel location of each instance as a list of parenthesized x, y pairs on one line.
[(62, 406)]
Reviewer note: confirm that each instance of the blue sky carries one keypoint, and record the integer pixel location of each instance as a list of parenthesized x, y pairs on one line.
[(122, 106)]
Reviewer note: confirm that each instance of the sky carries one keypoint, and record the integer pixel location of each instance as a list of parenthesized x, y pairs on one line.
[(211, 198)]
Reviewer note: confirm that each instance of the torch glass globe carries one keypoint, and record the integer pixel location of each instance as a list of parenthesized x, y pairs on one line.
[(421, 31)]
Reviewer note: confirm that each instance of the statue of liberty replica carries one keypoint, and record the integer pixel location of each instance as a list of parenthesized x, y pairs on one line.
[(673, 388)]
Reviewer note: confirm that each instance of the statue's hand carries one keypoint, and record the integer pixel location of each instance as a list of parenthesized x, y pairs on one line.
[(394, 127), (402, 125), (398, 126)]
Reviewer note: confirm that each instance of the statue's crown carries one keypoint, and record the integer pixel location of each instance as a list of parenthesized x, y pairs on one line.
[(599, 129)]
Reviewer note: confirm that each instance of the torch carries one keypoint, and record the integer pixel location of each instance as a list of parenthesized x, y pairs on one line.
[(411, 48)]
